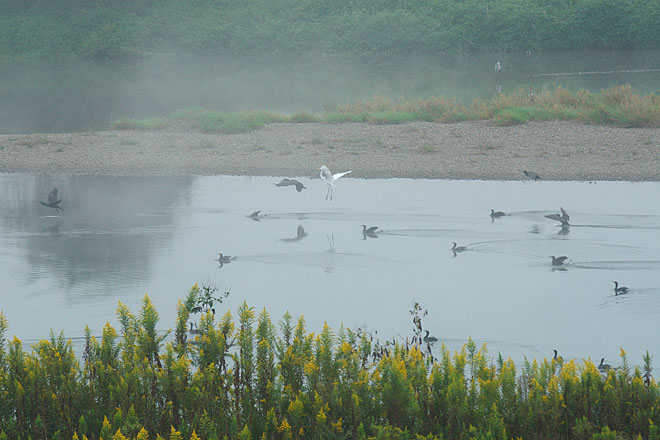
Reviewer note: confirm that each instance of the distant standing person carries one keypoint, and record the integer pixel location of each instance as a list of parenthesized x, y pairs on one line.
[(498, 68)]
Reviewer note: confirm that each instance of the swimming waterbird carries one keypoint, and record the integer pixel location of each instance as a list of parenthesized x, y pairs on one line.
[(496, 214), (558, 261), (225, 259), (557, 358), (429, 339), (603, 366), (619, 290), (256, 216), (456, 249), (369, 232)]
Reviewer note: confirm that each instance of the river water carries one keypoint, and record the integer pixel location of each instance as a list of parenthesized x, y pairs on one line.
[(120, 238)]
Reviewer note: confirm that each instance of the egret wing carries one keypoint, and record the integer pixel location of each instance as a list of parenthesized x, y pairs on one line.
[(338, 175)]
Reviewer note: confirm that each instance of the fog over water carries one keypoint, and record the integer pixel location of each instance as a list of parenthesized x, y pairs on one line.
[(66, 96), (119, 238)]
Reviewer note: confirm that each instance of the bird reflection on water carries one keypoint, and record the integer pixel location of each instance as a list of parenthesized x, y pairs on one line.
[(300, 234)]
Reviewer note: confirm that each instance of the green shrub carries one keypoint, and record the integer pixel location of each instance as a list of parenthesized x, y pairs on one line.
[(245, 377), (139, 124)]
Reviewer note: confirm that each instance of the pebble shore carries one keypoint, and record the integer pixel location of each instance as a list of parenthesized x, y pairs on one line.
[(557, 150)]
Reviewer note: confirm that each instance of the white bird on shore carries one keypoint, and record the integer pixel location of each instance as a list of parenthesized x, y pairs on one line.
[(330, 179)]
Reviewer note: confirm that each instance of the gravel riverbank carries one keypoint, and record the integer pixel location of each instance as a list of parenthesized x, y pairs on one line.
[(557, 150)]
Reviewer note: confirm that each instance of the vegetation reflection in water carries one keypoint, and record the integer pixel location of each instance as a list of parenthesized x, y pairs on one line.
[(245, 377)]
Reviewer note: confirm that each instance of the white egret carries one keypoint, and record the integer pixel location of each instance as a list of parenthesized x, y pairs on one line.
[(330, 179)]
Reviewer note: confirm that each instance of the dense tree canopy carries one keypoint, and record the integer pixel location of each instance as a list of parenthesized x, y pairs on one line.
[(140, 28)]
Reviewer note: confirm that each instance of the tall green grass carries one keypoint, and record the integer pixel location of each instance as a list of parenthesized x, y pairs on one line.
[(618, 106), (247, 377), (139, 124)]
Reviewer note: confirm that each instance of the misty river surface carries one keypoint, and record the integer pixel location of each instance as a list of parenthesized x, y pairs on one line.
[(119, 238)]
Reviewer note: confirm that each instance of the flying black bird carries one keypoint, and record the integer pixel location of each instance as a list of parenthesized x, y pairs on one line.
[(52, 201), (563, 218), (289, 182), (532, 175)]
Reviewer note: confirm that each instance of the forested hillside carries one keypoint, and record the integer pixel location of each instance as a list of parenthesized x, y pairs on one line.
[(137, 29)]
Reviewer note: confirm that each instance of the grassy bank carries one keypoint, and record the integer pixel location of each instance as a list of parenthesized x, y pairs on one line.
[(244, 377), (75, 29), (618, 106)]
